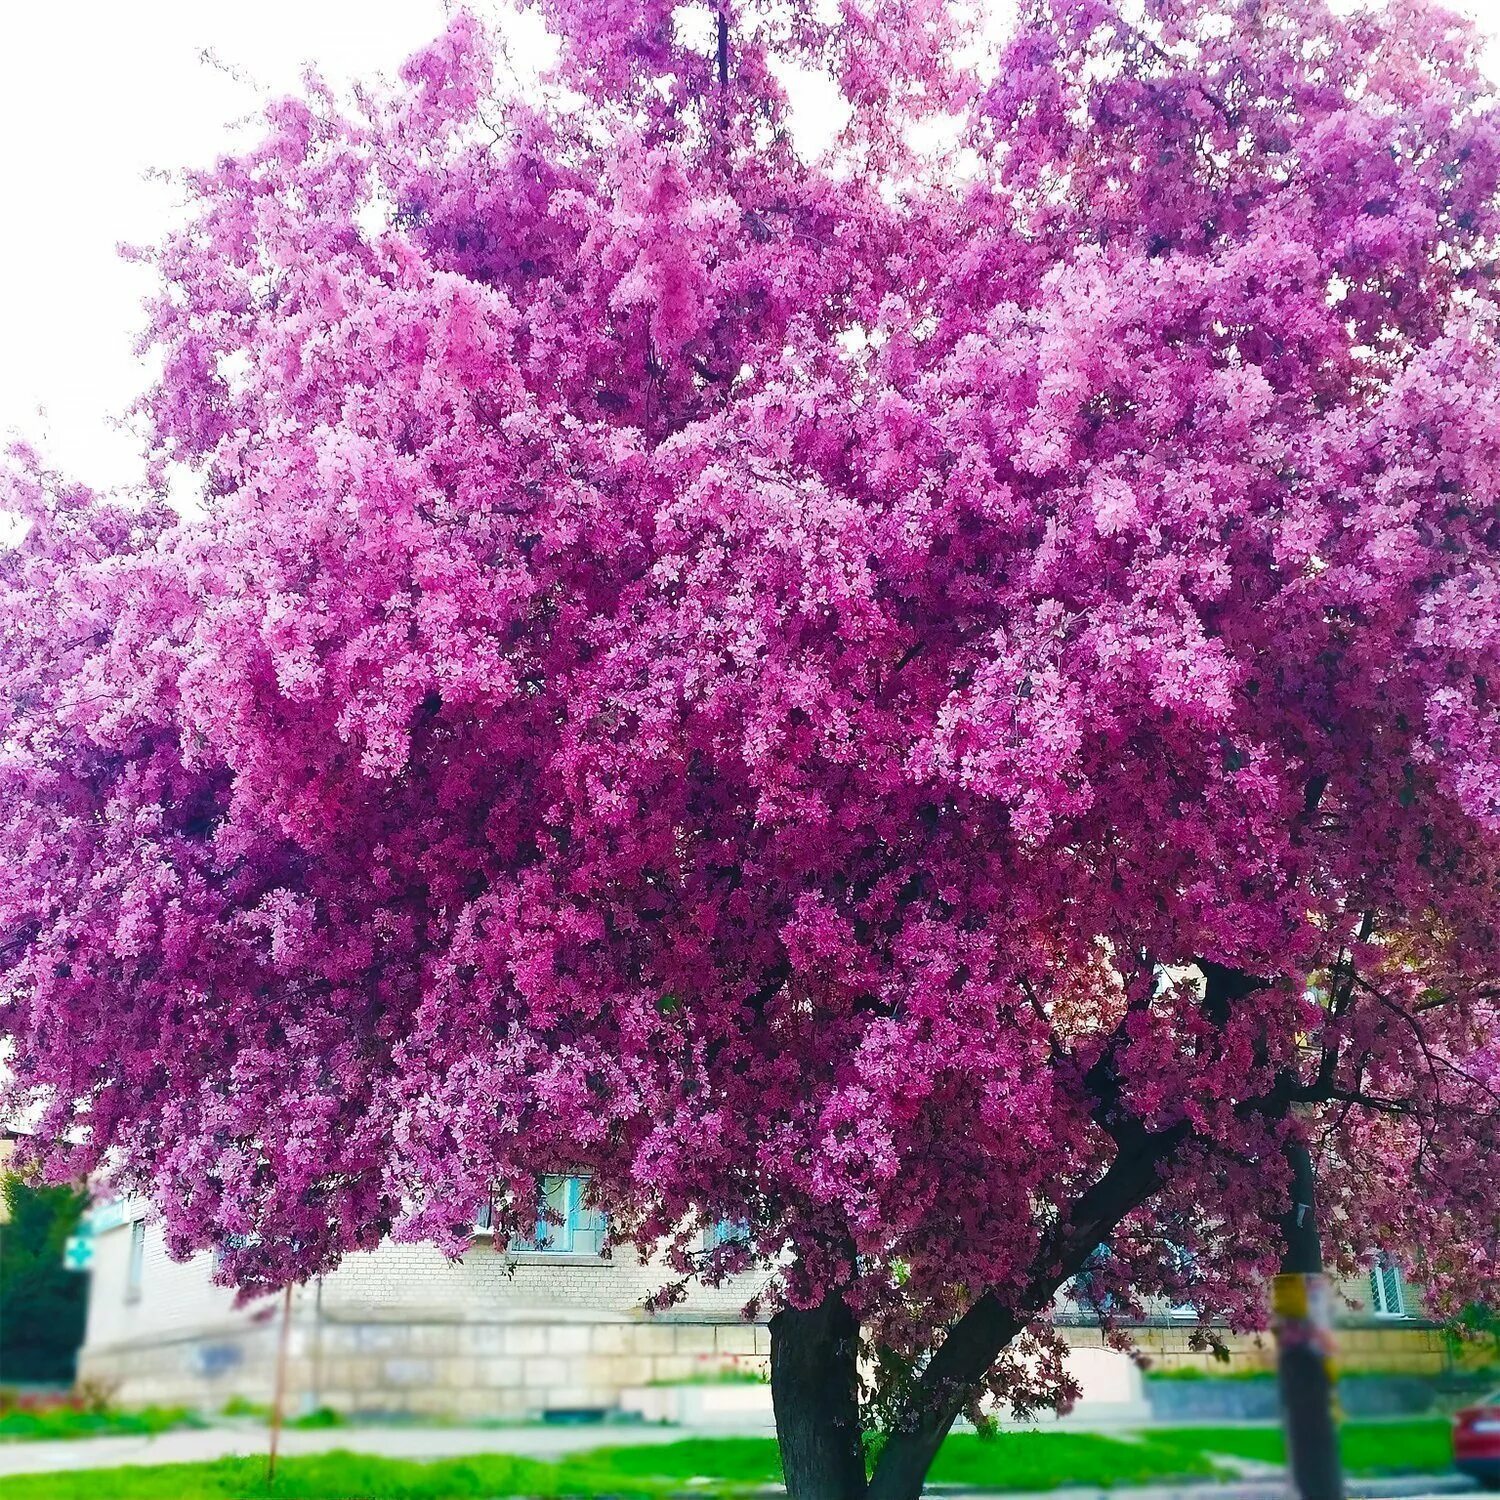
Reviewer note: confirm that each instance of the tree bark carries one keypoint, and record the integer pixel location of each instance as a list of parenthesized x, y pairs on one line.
[(967, 1352), (975, 1341), (815, 1393)]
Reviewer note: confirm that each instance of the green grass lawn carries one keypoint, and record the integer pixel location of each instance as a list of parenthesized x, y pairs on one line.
[(1009, 1461), (326, 1476), (1045, 1460), (1012, 1461), (30, 1424), (749, 1461), (730, 1466), (1422, 1445)]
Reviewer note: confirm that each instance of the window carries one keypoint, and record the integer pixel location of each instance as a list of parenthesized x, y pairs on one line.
[(1387, 1290), (726, 1232), (1084, 1289), (232, 1242), (1187, 1265), (567, 1227), (1088, 1288), (135, 1266)]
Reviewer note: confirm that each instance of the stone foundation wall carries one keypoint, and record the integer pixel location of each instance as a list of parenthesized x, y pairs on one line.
[(401, 1330), (467, 1369), (1413, 1348)]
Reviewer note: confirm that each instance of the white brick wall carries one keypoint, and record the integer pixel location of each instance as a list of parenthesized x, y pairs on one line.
[(402, 1329), (173, 1297)]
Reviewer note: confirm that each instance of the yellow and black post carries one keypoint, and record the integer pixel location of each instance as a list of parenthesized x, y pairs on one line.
[(1302, 1316)]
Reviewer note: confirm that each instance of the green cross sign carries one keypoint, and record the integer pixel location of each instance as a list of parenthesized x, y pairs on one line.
[(78, 1252)]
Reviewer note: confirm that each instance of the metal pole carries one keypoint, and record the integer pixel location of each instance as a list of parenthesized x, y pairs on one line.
[(1302, 1317), (278, 1397), (317, 1369)]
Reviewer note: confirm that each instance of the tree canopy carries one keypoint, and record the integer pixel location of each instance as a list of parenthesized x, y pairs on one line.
[(936, 698)]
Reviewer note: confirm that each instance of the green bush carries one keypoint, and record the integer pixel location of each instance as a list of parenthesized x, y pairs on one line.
[(725, 1375), (258, 1411), (34, 1422), (41, 1303), (242, 1406), (320, 1417)]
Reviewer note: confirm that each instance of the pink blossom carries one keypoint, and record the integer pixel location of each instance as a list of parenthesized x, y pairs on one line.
[(741, 674)]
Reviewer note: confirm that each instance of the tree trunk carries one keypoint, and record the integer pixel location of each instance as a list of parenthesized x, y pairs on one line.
[(814, 1373), (815, 1393), (975, 1341), (967, 1352)]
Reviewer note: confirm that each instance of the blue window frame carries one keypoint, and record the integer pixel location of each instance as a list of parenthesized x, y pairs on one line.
[(567, 1225), (726, 1232), (135, 1266), (1387, 1289)]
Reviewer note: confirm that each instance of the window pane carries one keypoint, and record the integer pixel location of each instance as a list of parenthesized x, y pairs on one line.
[(136, 1265), (1387, 1293), (564, 1226), (1083, 1288), (556, 1230), (726, 1232), (1390, 1276)]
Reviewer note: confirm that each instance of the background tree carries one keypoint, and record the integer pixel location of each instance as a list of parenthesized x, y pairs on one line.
[(41, 1303), (937, 700)]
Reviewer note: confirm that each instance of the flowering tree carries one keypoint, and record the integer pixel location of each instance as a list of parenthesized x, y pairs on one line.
[(938, 700)]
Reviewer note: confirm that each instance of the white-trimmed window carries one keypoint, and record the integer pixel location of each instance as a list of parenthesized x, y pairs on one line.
[(726, 1232), (135, 1264), (1082, 1288), (1187, 1265), (568, 1226), (232, 1242), (1387, 1289)]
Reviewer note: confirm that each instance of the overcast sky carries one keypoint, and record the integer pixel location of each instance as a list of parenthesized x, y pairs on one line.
[(94, 93)]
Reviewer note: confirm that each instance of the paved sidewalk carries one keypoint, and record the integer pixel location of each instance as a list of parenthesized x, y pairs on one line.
[(199, 1445), (551, 1442)]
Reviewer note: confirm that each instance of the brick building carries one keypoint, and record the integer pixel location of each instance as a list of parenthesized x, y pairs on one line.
[(510, 1331), (519, 1330)]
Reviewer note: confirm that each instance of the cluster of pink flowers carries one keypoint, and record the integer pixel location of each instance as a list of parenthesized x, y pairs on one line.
[(765, 679)]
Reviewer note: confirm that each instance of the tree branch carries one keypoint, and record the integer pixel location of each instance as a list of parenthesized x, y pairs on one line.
[(976, 1339)]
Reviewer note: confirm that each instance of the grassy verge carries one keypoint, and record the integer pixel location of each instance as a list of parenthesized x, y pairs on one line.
[(31, 1424), (704, 1466), (319, 1417), (1422, 1445), (1045, 1460), (1009, 1461), (327, 1476)]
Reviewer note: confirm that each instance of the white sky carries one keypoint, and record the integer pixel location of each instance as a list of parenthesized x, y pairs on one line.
[(94, 94)]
